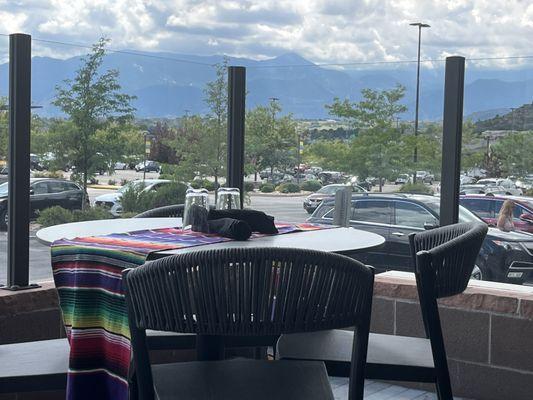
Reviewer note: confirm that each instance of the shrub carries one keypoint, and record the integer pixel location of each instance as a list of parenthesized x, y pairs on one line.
[(249, 186), (529, 192), (111, 182), (419, 188), (58, 215), (135, 200), (267, 188), (90, 214), (288, 187), (204, 184), (54, 216), (311, 186), (48, 174), (123, 181)]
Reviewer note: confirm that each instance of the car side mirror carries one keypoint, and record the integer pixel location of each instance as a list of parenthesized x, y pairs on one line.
[(32, 191), (430, 225), (527, 217)]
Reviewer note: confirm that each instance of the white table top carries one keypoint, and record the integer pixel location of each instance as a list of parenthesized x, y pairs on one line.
[(103, 227), (335, 240)]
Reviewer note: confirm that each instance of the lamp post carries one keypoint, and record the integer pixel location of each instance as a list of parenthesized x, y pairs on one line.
[(420, 25), (147, 136)]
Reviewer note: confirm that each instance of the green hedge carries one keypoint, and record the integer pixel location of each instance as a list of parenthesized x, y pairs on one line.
[(288, 187), (311, 186), (135, 200), (249, 186), (266, 188), (419, 188), (204, 184), (58, 215)]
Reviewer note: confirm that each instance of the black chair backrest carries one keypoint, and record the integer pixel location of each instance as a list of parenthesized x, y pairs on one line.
[(446, 256), (259, 291), (250, 292), (175, 210)]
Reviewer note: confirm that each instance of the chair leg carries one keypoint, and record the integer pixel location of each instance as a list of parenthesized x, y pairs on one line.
[(444, 387)]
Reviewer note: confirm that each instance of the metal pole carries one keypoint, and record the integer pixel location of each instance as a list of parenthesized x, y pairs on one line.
[(144, 169), (415, 154), (236, 115), (451, 139), (18, 250), (298, 159)]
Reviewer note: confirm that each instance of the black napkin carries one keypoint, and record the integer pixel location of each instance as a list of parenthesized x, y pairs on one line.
[(230, 228), (257, 220)]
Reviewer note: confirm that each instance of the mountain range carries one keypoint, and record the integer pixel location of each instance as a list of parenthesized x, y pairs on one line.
[(169, 85)]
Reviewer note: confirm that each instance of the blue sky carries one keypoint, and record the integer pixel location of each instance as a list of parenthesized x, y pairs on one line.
[(319, 30)]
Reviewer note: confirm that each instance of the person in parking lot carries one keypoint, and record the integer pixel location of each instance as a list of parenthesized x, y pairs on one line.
[(505, 220)]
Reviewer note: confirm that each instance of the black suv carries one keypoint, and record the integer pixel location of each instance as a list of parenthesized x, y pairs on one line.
[(44, 193), (504, 256)]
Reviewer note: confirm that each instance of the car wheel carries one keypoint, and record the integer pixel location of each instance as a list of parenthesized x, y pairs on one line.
[(3, 220), (477, 274)]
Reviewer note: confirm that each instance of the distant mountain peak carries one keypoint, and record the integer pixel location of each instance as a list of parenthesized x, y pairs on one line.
[(290, 58)]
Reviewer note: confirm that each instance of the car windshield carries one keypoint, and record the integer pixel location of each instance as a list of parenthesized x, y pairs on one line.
[(464, 214), (329, 189), (3, 189)]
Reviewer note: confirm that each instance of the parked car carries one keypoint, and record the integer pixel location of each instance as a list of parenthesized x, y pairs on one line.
[(467, 180), (328, 177), (504, 256), (150, 166), (424, 176), (525, 183), (35, 162), (45, 193), (402, 179), (482, 189), (111, 201), (507, 184), (120, 165), (488, 209), (312, 201)]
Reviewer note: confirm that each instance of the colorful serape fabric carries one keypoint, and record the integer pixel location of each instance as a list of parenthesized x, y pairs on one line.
[(87, 273)]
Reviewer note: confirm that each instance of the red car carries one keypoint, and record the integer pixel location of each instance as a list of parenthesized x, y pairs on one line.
[(487, 207)]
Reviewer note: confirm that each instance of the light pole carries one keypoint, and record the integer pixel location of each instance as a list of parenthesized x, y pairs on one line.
[(415, 154), (146, 135)]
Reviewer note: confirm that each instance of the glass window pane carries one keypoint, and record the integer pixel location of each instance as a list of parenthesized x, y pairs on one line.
[(377, 211), (482, 208), (408, 214), (40, 188)]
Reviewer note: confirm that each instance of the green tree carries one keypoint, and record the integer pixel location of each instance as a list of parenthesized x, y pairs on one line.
[(376, 149), (271, 141), (514, 153), (213, 144), (92, 100)]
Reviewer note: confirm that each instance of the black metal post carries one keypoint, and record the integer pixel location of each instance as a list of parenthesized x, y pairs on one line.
[(236, 115), (19, 162), (451, 139)]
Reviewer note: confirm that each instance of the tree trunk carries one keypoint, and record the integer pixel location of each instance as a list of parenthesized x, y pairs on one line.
[(380, 184)]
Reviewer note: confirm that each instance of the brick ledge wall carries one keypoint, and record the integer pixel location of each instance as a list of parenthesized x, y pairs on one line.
[(488, 329)]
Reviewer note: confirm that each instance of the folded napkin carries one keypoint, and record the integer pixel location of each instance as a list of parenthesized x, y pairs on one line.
[(257, 220), (226, 227), (230, 228)]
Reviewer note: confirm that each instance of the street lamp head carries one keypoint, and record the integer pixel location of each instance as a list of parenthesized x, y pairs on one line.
[(420, 25)]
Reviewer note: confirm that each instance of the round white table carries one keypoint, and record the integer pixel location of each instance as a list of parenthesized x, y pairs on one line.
[(334, 240), (103, 227)]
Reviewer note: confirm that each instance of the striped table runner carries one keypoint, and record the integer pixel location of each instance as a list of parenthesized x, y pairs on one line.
[(87, 273)]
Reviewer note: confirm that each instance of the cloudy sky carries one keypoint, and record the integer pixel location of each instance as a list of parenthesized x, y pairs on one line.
[(320, 30)]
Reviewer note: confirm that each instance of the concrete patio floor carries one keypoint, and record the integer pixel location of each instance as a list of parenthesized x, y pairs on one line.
[(375, 390)]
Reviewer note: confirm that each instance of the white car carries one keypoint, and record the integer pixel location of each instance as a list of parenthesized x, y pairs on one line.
[(120, 165), (111, 201), (507, 184)]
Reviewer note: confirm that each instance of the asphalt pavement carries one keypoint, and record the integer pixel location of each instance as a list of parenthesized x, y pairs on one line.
[(284, 209)]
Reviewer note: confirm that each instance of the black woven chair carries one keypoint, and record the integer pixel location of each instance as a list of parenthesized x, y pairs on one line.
[(444, 260), (175, 210), (247, 292)]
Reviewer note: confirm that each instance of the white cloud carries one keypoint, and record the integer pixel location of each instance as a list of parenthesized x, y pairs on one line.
[(320, 30)]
